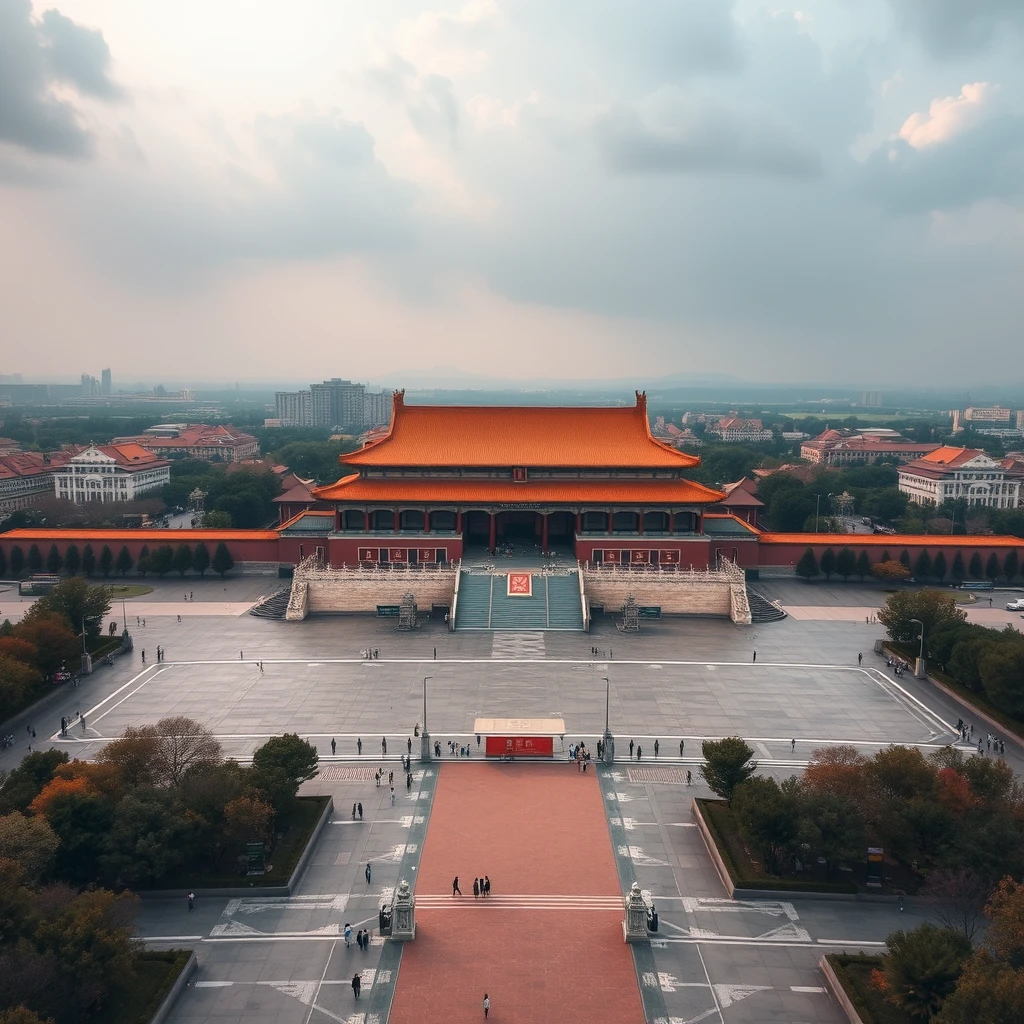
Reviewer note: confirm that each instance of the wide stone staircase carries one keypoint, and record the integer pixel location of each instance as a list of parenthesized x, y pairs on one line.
[(484, 603), (274, 606), (761, 609)]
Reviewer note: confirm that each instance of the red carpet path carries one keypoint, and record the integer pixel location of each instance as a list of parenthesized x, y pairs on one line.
[(536, 830)]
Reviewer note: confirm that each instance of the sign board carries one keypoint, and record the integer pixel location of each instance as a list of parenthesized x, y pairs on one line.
[(649, 611), (254, 858), (388, 610), (875, 857), (520, 746)]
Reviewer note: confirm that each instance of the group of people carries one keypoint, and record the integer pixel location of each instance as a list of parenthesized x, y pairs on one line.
[(481, 886), (898, 665), (991, 741), (579, 753), (362, 937), (369, 653)]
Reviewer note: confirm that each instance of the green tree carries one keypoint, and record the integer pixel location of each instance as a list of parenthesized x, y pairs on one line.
[(162, 560), (921, 968), (124, 561), (992, 567), (1011, 565), (145, 563), (1001, 667), (31, 842), (807, 567), (201, 559), (923, 568), (974, 567), (889, 569), (149, 838), (17, 561), (863, 565), (35, 559), (295, 757), (88, 560), (222, 560), (106, 560), (183, 746), (846, 563), (905, 558), (76, 599), (727, 763), (770, 818), (828, 563), (72, 559), (182, 559), (54, 562), (833, 828), (939, 569), (218, 521), (957, 572), (935, 609), (26, 781)]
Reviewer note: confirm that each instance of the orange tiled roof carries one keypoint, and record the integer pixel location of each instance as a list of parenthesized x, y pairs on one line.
[(893, 541), (147, 536), (950, 456), (463, 435), (599, 492)]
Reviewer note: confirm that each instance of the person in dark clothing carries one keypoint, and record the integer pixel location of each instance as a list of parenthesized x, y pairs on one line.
[(356, 984), (639, 752), (487, 885), (631, 749), (334, 747), (476, 886), (360, 806), (455, 886)]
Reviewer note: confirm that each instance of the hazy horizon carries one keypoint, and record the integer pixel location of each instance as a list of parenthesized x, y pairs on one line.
[(828, 194)]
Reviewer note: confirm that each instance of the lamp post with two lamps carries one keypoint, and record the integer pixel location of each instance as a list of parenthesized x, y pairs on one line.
[(608, 740), (919, 667), (426, 754)]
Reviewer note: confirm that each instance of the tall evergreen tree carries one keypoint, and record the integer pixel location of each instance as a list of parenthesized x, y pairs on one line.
[(88, 560), (957, 572), (72, 559), (846, 563), (35, 559), (863, 564), (807, 567), (939, 566), (124, 561), (54, 562), (222, 560), (974, 566), (17, 561), (905, 558), (201, 559), (145, 563), (182, 559), (828, 563), (106, 560), (923, 569), (3, 563), (162, 560), (1011, 565), (992, 568)]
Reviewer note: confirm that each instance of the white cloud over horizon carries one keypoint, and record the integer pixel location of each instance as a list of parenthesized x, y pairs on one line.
[(542, 190)]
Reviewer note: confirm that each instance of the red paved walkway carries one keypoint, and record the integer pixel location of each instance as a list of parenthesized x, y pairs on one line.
[(536, 830)]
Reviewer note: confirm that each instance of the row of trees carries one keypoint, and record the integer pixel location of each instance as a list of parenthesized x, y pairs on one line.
[(158, 803), (181, 558), (847, 563), (45, 638), (241, 496), (988, 661), (946, 811)]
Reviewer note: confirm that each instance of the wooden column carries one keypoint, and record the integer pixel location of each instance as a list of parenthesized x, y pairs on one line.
[(426, 520), (493, 541), (579, 523), (671, 523), (544, 533), (458, 521), (640, 522), (398, 520)]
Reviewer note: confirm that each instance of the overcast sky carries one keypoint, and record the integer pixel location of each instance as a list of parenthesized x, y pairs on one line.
[(267, 190)]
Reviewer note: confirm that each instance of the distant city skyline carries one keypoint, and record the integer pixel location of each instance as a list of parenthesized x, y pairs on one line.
[(588, 189)]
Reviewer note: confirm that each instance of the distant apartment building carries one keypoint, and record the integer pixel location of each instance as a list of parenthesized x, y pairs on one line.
[(218, 443), (292, 408), (111, 472), (90, 386), (848, 448), (995, 416), (950, 474), (336, 403), (105, 382), (377, 408), (734, 430)]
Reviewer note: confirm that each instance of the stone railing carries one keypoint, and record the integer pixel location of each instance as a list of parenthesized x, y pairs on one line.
[(298, 601)]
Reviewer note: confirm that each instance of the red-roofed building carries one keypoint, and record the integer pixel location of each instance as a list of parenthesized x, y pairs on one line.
[(951, 474), (111, 472), (839, 448), (741, 500), (592, 480), (26, 475), (220, 443)]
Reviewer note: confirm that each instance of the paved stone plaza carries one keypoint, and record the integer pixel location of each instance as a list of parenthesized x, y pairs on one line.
[(714, 959)]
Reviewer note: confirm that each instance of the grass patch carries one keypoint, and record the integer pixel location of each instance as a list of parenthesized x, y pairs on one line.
[(745, 871), (138, 997), (120, 590), (295, 832), (854, 974)]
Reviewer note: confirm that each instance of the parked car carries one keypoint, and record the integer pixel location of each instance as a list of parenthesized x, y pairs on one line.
[(1015, 606)]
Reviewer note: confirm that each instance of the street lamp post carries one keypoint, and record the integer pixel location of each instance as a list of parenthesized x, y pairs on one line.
[(608, 740), (86, 659), (919, 667), (426, 754)]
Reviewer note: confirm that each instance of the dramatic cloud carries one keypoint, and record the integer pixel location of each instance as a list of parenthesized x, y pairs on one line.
[(428, 99), (952, 27), (33, 57), (678, 133), (949, 116)]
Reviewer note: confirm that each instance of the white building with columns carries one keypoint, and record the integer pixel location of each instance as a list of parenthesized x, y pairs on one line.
[(111, 472), (950, 474)]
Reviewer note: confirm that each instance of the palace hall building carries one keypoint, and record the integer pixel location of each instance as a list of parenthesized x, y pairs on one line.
[(590, 482)]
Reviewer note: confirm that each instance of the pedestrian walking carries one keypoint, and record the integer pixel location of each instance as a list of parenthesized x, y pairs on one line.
[(682, 744), (408, 781), (755, 657), (191, 897), (792, 745), (137, 621), (367, 872), (360, 806), (408, 744), (348, 935), (487, 885), (179, 618), (83, 723), (353, 812), (63, 726), (384, 745), (359, 745), (631, 750), (860, 658), (143, 623), (456, 891), (143, 655), (391, 778), (476, 887), (334, 746), (241, 656), (487, 1005), (190, 595), (392, 796), (261, 668), (639, 752), (689, 778), (655, 748), (356, 984)]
